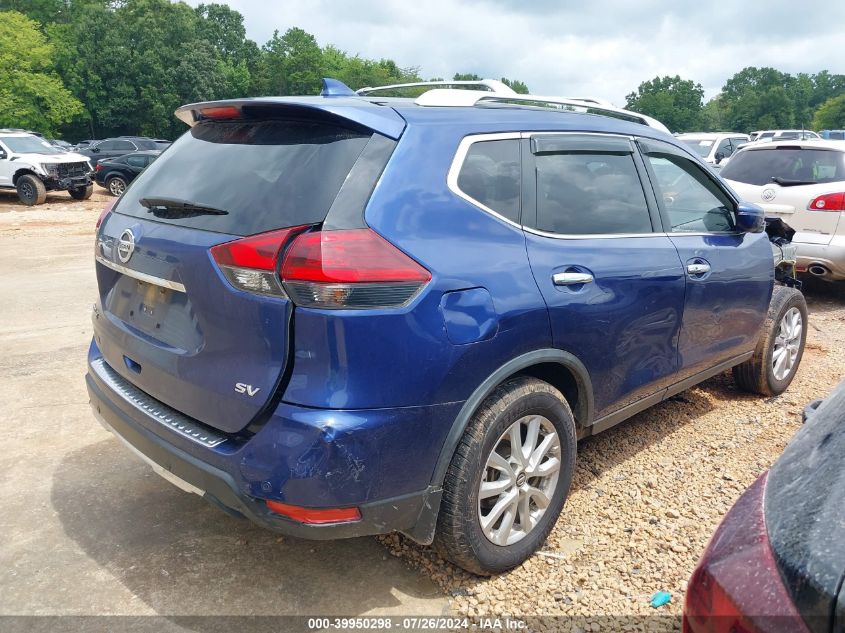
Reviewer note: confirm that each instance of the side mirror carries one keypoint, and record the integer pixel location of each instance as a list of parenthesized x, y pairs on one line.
[(750, 218), (719, 157)]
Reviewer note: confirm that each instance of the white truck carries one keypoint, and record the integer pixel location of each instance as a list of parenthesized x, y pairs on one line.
[(31, 166)]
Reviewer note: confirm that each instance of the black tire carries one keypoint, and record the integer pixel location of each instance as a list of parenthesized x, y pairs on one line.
[(31, 190), (757, 374), (82, 193), (116, 185), (459, 536)]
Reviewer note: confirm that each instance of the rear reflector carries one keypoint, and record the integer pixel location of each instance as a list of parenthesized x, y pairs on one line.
[(315, 515), (350, 269), (250, 263), (828, 202)]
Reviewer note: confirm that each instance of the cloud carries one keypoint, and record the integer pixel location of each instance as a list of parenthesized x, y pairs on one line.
[(601, 48)]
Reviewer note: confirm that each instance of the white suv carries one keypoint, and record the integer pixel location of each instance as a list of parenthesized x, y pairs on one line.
[(713, 147), (30, 165), (802, 182)]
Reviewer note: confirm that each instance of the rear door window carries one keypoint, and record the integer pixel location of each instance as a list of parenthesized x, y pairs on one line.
[(581, 193), (786, 165), (490, 175), (259, 175)]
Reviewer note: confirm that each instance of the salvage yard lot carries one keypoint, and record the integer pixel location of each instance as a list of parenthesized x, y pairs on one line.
[(647, 494)]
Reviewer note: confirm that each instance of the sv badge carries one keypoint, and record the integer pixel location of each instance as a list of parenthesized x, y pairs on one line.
[(247, 389)]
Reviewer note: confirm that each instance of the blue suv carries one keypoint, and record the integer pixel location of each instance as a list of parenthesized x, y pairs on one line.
[(354, 314)]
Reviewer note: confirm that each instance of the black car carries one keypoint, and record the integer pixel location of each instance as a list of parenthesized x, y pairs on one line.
[(777, 561), (115, 174), (114, 147)]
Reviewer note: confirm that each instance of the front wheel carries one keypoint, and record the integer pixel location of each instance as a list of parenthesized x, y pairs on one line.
[(780, 348), (31, 190), (508, 479), (81, 193)]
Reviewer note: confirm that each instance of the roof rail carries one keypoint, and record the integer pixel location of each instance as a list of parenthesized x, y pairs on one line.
[(457, 98), (490, 85)]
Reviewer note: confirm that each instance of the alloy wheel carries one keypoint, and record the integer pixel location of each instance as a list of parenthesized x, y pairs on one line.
[(519, 480), (787, 344)]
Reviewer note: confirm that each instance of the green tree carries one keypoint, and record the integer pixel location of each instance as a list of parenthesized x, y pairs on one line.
[(759, 98), (31, 94), (294, 62), (516, 85), (712, 116), (674, 101), (831, 114)]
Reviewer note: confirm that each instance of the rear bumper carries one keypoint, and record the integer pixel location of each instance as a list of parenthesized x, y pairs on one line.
[(831, 256), (279, 463)]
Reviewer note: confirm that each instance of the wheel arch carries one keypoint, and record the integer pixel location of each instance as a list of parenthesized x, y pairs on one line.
[(23, 171), (559, 368)]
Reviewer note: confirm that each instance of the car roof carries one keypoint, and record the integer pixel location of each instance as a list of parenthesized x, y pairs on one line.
[(805, 144)]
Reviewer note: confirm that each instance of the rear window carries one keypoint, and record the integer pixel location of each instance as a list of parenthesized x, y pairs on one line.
[(265, 175), (491, 175), (699, 146), (760, 167)]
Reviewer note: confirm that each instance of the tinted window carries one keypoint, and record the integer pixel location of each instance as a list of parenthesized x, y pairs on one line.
[(106, 146), (137, 161), (580, 194), (265, 175), (760, 167), (693, 202), (491, 175), (699, 146), (122, 146), (725, 148)]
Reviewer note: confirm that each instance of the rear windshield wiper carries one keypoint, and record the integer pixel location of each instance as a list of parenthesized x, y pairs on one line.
[(789, 182), (171, 208)]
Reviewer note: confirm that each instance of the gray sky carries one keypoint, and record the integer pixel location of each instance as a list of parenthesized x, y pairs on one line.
[(601, 48)]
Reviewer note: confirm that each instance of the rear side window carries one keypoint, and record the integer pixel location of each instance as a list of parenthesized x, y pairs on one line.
[(491, 176), (789, 165), (582, 194), (262, 175)]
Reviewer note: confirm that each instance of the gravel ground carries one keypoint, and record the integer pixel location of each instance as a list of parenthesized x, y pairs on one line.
[(647, 494)]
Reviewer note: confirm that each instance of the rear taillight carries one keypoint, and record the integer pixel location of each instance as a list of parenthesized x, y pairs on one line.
[(350, 269), (737, 585), (344, 269), (98, 166), (828, 202), (105, 212), (251, 263)]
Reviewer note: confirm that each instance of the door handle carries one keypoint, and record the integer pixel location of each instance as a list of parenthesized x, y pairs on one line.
[(699, 268), (571, 279)]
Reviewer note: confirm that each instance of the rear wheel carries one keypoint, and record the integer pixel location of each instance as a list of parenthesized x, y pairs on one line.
[(31, 190), (508, 479), (116, 185), (780, 348), (82, 193)]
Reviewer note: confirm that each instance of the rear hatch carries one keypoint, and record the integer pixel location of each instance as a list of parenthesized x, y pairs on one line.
[(790, 182), (169, 319)]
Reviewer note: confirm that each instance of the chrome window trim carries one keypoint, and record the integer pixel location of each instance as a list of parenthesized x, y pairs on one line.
[(469, 141), (458, 162), (150, 279)]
